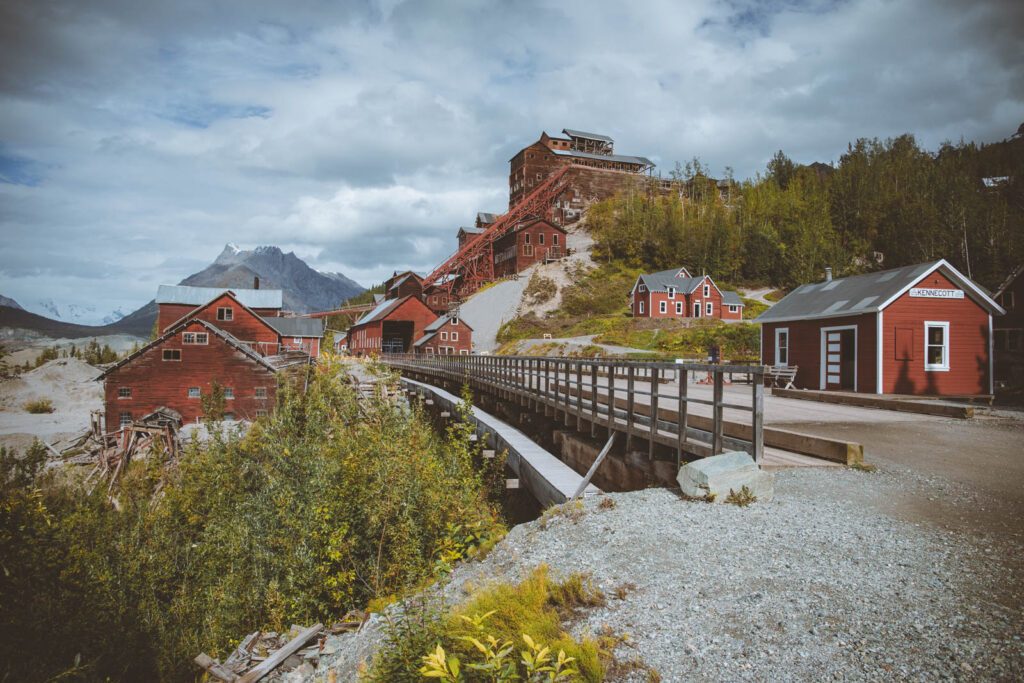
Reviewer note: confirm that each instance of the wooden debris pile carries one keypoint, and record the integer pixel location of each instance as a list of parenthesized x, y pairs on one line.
[(264, 654)]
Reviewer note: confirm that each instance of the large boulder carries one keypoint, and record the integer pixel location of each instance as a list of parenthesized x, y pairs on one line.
[(717, 475)]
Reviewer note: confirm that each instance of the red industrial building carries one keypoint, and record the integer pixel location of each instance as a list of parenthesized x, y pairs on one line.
[(676, 294), (924, 329), (446, 336), (223, 341), (391, 327), (532, 241), (403, 284), (174, 302)]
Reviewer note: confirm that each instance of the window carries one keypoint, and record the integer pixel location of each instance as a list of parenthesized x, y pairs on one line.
[(643, 288), (229, 393), (260, 413), (124, 392), (554, 239), (1009, 340), (455, 321), (297, 341), (679, 308), (229, 417), (782, 346), (671, 292), (463, 352), (526, 238), (1007, 301), (541, 238), (708, 308), (125, 419), (662, 307), (641, 308), (936, 346), (733, 308), (707, 291), (527, 249), (696, 309), (193, 392), (261, 392), (444, 336), (225, 313), (172, 354), (454, 336), (195, 338)]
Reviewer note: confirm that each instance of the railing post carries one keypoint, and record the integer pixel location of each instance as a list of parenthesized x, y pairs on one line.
[(630, 404), (757, 419), (579, 395), (593, 400), (716, 410), (682, 377), (654, 412)]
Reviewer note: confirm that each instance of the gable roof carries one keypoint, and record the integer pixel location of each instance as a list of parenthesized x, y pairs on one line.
[(589, 136), (385, 308), (424, 339), (441, 320), (198, 296), (228, 338), (663, 279), (472, 231), (231, 295), (622, 158), (868, 293), (730, 298), (533, 220), (297, 327)]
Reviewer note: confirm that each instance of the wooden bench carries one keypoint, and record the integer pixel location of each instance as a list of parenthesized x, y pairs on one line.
[(784, 374)]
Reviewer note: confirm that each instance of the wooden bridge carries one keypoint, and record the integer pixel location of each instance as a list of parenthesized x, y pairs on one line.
[(645, 401)]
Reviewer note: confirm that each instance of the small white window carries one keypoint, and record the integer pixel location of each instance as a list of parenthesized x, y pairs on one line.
[(229, 393), (641, 308), (297, 340), (936, 346), (444, 336), (708, 310), (455, 321), (125, 419), (193, 392), (662, 307), (643, 288), (124, 392), (195, 338), (707, 291), (261, 413), (454, 336), (782, 346), (733, 308), (671, 292), (225, 313), (679, 308), (526, 238)]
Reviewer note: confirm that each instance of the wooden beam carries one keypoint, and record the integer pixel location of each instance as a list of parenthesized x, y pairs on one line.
[(275, 660), (214, 668)]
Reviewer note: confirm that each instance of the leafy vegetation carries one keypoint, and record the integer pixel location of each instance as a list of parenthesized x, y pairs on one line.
[(323, 506), (501, 631), (540, 289), (741, 498), (39, 406)]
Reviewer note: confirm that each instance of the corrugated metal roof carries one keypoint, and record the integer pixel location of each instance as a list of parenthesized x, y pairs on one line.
[(731, 298), (644, 161), (424, 339), (472, 231), (297, 327), (589, 136), (662, 280), (197, 296), (486, 218), (868, 293), (378, 311)]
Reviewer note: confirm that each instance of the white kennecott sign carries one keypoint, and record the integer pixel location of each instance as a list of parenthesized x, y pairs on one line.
[(927, 293)]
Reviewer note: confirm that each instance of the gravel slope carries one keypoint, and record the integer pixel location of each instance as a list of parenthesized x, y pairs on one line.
[(817, 585)]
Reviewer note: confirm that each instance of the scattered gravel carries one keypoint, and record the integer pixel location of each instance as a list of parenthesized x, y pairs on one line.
[(68, 383), (819, 584)]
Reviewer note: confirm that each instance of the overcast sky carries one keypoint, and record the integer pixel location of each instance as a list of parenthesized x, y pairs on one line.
[(138, 137)]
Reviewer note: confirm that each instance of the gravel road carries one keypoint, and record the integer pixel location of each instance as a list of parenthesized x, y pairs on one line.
[(819, 584)]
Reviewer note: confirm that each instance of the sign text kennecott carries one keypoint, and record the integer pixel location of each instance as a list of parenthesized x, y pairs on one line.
[(937, 293)]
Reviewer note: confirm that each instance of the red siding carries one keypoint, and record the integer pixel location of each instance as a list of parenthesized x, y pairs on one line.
[(155, 382), (805, 348), (244, 325), (653, 300), (461, 346), (310, 345), (168, 314), (365, 339), (522, 248), (903, 365)]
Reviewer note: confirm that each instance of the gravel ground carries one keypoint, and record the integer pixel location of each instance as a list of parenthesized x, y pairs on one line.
[(69, 383), (819, 584)]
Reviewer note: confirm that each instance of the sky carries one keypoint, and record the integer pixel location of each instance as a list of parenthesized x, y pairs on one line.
[(138, 138)]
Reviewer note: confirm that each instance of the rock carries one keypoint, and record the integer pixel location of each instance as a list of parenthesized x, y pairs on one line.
[(719, 474)]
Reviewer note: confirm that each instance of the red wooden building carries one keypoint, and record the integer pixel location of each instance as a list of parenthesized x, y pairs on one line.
[(174, 302), (532, 241), (403, 284), (676, 294), (222, 340), (446, 336), (923, 329), (391, 327)]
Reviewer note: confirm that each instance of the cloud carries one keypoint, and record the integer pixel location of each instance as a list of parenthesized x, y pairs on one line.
[(137, 138)]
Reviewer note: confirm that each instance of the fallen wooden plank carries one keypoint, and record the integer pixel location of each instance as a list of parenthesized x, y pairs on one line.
[(210, 665), (274, 660)]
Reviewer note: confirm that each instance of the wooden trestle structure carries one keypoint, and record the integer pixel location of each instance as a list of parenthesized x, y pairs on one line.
[(473, 265)]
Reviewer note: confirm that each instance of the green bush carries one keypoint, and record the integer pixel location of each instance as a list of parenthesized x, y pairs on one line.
[(39, 406), (322, 507)]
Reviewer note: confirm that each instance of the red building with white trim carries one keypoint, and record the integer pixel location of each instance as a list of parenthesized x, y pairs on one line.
[(391, 327), (676, 294), (532, 241), (924, 329), (446, 336)]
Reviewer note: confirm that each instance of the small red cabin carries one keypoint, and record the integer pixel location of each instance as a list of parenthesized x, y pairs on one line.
[(532, 241), (676, 294), (446, 336), (923, 329), (391, 327)]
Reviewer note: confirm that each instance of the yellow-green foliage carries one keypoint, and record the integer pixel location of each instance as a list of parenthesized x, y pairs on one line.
[(318, 509), (504, 612), (735, 340), (39, 406), (539, 289), (753, 308)]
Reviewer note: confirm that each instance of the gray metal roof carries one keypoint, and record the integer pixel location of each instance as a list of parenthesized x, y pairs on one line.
[(441, 320), (730, 298), (485, 217), (197, 296), (472, 231), (589, 136), (867, 293), (622, 158), (297, 327), (378, 311), (663, 279), (424, 339)]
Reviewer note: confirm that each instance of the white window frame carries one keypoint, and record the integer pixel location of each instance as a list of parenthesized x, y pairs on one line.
[(709, 310), (226, 313), (453, 336), (663, 307), (642, 288), (261, 392), (540, 239), (707, 290), (195, 338), (733, 308), (124, 392), (297, 341), (671, 292), (778, 333), (554, 240), (641, 308), (124, 419), (679, 308), (229, 393), (444, 336), (198, 392), (944, 365)]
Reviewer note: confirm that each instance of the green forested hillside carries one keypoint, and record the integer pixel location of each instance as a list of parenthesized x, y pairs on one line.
[(887, 199)]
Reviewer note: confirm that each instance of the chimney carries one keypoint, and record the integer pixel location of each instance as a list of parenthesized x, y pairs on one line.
[(256, 282), (828, 275)]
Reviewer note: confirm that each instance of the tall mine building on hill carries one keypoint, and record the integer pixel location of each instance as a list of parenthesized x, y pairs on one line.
[(599, 171)]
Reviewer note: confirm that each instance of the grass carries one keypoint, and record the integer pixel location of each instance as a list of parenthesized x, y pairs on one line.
[(741, 498), (39, 406), (775, 295), (573, 511)]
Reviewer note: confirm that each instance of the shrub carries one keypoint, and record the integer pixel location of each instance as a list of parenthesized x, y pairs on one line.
[(540, 289), (39, 406), (741, 498)]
